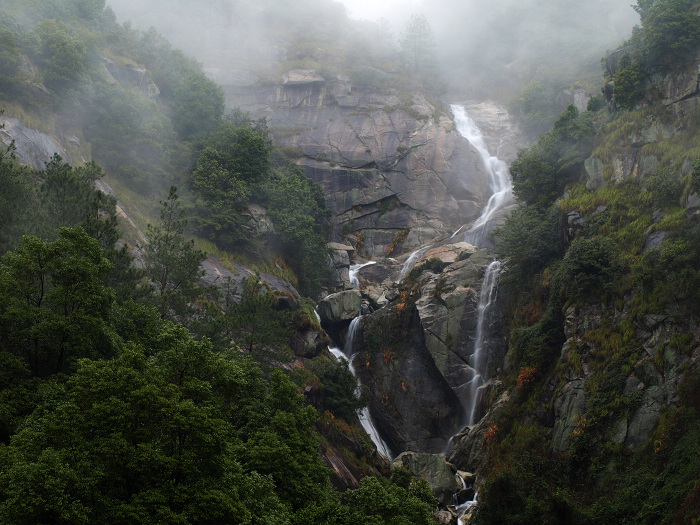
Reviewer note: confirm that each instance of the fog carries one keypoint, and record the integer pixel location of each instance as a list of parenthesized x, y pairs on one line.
[(485, 48)]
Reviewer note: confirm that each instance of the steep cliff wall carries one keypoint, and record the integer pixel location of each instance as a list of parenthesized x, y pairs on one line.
[(387, 160)]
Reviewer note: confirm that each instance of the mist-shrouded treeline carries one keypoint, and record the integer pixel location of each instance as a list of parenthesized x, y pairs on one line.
[(492, 48), (486, 49)]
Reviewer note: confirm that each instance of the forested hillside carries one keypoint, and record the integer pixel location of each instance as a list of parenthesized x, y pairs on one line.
[(600, 424), (130, 391), (162, 355)]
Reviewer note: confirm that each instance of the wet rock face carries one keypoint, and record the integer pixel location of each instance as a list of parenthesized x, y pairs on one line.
[(341, 306), (651, 383), (34, 148), (413, 406), (416, 352), (387, 161), (440, 475)]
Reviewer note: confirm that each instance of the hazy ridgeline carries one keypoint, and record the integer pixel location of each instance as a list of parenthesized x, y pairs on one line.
[(484, 48)]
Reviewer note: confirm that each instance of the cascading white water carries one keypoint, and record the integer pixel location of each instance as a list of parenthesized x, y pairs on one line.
[(487, 297), (354, 269), (362, 414), (411, 261), (464, 508), (497, 170)]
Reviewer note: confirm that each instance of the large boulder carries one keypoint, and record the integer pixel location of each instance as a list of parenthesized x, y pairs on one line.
[(440, 475), (341, 306)]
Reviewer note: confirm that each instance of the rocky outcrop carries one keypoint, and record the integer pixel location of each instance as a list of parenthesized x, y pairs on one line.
[(387, 160), (417, 349), (413, 406), (470, 447), (341, 306), (130, 77), (673, 97), (440, 475), (34, 148)]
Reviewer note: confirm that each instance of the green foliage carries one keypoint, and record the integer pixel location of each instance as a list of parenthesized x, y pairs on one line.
[(61, 53), (591, 265), (541, 172), (198, 107), (9, 58), (232, 161), (665, 187), (129, 440), (256, 322), (630, 85), (53, 305), (529, 239), (670, 31), (297, 207), (338, 390), (16, 199), (172, 263)]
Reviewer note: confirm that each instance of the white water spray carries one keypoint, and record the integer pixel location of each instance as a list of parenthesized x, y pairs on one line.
[(363, 414), (354, 269), (411, 261), (487, 297), (497, 170)]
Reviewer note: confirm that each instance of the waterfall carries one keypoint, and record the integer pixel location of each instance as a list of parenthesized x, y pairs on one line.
[(464, 508), (487, 297), (354, 269), (497, 170), (417, 254), (363, 414)]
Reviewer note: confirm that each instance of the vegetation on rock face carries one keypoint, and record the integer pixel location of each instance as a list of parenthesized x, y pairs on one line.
[(611, 301)]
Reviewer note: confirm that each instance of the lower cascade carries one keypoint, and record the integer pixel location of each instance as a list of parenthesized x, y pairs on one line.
[(487, 297), (363, 414)]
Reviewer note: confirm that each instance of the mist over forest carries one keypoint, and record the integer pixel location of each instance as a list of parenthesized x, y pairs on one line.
[(265, 261), (484, 48)]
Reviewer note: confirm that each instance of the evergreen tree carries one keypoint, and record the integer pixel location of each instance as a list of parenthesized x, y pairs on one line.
[(172, 264)]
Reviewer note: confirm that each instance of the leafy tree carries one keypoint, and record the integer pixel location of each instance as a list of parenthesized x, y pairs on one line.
[(670, 30), (9, 58), (235, 158), (279, 442), (66, 195), (136, 440), (339, 386), (16, 198), (172, 264), (62, 54), (417, 45), (256, 322), (541, 172), (198, 104), (643, 7), (529, 240), (53, 304), (591, 265), (630, 85), (297, 207)]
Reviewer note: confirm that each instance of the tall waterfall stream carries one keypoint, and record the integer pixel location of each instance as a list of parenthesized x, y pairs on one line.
[(475, 234)]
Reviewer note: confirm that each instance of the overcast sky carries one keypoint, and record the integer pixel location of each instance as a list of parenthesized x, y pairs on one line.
[(375, 9)]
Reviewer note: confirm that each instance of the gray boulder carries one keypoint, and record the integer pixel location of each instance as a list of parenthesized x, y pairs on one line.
[(341, 306), (440, 475)]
